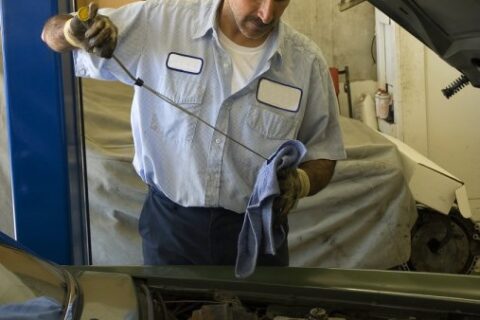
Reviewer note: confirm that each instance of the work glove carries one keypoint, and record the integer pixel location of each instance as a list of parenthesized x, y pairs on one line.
[(92, 32), (294, 184)]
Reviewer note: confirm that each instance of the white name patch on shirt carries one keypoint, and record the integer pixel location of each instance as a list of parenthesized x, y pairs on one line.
[(279, 95), (184, 63)]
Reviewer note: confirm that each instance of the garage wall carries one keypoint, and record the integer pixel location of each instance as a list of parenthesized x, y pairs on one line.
[(453, 130), (444, 130), (345, 37)]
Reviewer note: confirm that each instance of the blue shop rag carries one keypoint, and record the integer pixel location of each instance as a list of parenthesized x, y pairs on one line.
[(258, 229)]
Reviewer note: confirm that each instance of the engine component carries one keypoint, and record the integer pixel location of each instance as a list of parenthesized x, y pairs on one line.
[(222, 312), (317, 314)]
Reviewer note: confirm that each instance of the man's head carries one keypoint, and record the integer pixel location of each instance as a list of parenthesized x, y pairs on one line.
[(251, 21)]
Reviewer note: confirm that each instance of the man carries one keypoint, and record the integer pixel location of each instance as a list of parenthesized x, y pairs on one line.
[(234, 64)]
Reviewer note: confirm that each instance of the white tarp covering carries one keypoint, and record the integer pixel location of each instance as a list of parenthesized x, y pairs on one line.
[(364, 216)]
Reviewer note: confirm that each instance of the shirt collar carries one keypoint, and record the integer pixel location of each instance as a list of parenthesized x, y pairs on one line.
[(278, 41), (202, 26)]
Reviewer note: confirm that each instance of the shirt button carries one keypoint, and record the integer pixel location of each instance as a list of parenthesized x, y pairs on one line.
[(217, 141), (225, 65)]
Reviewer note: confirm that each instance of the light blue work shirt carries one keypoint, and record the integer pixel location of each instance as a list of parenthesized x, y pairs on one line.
[(173, 46)]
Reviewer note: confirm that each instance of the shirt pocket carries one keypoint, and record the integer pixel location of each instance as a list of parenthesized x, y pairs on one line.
[(272, 124), (187, 91)]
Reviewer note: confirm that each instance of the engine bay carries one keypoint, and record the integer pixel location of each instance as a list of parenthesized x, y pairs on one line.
[(170, 303)]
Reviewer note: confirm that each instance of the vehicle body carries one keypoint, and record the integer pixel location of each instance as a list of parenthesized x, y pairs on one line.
[(212, 292)]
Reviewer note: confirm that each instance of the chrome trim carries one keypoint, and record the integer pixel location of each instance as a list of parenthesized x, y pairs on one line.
[(73, 296)]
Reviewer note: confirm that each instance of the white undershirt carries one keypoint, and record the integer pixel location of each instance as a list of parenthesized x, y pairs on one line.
[(245, 60)]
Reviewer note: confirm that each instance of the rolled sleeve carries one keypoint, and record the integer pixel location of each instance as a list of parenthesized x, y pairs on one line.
[(320, 130)]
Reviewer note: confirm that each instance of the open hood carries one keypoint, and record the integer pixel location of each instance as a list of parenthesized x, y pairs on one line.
[(451, 28)]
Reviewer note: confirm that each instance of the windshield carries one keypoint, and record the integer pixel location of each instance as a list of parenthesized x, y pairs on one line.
[(30, 286)]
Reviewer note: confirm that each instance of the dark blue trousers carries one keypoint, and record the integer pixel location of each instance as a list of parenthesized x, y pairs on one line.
[(176, 235)]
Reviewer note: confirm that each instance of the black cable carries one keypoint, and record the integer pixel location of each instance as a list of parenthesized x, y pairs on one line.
[(371, 49)]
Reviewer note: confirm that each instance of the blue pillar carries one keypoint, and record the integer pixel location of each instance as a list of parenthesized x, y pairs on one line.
[(45, 135)]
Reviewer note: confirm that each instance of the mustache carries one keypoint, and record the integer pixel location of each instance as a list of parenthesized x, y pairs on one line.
[(259, 23)]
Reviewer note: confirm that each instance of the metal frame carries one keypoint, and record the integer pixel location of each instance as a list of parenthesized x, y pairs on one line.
[(45, 128)]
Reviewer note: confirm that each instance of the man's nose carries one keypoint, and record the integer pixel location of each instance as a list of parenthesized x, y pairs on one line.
[(265, 12)]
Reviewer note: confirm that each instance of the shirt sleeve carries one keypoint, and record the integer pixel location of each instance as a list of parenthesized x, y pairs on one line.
[(131, 21), (320, 129)]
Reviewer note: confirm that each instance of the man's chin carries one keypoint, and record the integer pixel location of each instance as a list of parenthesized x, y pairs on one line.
[(257, 34)]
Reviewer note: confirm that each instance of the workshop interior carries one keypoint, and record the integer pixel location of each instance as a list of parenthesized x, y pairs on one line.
[(395, 235)]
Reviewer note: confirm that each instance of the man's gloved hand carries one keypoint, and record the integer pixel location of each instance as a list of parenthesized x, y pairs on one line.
[(294, 184), (92, 32)]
